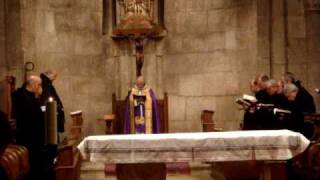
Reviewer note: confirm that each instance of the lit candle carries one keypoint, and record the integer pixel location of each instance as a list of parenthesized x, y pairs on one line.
[(51, 122)]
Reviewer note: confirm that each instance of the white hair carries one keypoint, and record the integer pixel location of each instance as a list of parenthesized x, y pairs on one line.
[(50, 72), (289, 88), (271, 82)]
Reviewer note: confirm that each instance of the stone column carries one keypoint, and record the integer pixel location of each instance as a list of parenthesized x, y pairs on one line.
[(13, 38), (3, 64), (312, 9), (279, 56)]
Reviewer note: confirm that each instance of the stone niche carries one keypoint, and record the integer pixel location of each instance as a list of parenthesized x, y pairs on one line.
[(137, 17)]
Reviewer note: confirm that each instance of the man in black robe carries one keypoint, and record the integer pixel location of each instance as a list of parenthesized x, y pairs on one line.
[(304, 102), (31, 129), (296, 120), (251, 119), (262, 94), (50, 91), (268, 118), (30, 122), (303, 98)]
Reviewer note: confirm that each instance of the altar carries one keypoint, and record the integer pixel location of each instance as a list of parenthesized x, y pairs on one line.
[(273, 145)]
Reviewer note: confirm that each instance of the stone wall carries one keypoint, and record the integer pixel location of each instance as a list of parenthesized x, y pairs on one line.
[(312, 72), (3, 65), (293, 39), (14, 29), (212, 50), (66, 35)]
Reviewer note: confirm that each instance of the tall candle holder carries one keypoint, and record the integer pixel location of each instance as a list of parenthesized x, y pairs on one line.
[(51, 126)]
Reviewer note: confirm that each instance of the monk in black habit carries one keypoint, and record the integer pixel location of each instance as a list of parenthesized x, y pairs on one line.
[(50, 91), (30, 129), (303, 97), (303, 102)]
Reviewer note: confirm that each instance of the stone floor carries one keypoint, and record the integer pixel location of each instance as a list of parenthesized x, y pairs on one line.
[(94, 171)]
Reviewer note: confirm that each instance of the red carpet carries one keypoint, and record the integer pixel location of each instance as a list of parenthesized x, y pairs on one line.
[(110, 169), (181, 168), (178, 168)]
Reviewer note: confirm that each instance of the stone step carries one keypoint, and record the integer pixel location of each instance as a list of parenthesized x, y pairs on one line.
[(95, 171), (96, 166), (92, 166), (94, 176), (92, 171)]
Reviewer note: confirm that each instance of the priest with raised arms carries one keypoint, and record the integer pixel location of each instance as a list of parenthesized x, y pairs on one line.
[(142, 114)]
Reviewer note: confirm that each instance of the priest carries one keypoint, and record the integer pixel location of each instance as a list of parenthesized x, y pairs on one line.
[(142, 114), (141, 117)]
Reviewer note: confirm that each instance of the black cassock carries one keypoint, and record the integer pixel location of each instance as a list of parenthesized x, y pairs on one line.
[(30, 119), (263, 118), (304, 99), (50, 91), (31, 134)]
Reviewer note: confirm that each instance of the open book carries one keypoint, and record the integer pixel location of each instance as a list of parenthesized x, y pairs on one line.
[(247, 101), (249, 98)]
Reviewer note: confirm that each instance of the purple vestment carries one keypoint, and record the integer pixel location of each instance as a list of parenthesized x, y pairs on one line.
[(140, 128)]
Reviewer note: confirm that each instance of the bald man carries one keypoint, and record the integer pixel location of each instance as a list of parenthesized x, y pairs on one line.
[(142, 114), (30, 122)]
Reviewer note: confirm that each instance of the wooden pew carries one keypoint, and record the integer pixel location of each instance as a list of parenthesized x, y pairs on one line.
[(311, 159), (69, 160), (15, 161)]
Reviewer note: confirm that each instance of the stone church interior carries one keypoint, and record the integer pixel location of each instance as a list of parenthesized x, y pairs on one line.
[(159, 89)]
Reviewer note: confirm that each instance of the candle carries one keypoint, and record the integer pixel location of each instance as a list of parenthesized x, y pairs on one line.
[(51, 122), (141, 110)]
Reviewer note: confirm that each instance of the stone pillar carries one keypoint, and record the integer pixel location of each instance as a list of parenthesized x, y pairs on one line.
[(264, 48), (13, 38), (278, 34), (312, 8), (3, 64)]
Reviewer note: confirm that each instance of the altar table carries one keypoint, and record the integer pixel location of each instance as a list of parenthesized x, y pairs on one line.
[(275, 145)]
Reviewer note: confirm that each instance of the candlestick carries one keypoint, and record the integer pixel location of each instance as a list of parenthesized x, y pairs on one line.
[(51, 122)]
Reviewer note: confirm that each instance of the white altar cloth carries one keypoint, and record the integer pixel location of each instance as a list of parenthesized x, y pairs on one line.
[(186, 147)]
